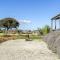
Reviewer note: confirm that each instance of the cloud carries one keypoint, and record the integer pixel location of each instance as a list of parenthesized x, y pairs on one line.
[(25, 21)]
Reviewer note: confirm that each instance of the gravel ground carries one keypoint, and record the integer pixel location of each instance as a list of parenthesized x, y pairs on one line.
[(26, 50)]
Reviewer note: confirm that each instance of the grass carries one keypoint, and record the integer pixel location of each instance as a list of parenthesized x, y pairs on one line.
[(35, 37), (30, 36), (4, 37)]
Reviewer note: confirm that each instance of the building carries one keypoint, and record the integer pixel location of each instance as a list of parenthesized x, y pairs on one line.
[(54, 20)]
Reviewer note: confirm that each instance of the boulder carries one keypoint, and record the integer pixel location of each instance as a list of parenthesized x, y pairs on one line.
[(53, 41)]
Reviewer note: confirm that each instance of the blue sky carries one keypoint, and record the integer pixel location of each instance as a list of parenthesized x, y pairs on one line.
[(39, 12)]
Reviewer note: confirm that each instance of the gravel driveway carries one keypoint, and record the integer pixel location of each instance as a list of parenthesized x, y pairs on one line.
[(25, 50)]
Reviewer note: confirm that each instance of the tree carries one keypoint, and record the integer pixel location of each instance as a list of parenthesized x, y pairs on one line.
[(40, 31), (9, 23), (44, 30)]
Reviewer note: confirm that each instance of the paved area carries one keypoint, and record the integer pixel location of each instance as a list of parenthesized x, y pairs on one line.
[(25, 50)]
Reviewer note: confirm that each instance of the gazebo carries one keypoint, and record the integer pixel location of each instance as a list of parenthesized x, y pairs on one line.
[(54, 20)]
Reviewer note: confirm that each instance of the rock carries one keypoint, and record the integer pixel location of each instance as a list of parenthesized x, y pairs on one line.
[(53, 41)]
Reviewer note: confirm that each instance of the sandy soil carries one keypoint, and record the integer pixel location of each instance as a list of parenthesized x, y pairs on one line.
[(26, 50)]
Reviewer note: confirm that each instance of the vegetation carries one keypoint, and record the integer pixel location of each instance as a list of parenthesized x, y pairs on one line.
[(45, 30), (9, 23)]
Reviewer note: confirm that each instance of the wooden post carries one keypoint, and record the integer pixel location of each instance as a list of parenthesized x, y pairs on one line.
[(55, 24), (51, 24), (59, 24)]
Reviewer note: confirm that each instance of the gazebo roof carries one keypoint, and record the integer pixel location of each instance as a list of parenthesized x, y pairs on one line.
[(56, 17)]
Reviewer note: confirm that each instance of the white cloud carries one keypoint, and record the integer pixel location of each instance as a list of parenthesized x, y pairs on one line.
[(25, 21)]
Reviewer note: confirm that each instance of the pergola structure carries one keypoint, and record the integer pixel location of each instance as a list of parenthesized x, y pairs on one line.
[(55, 18)]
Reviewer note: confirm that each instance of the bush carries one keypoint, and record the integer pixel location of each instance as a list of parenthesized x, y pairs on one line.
[(45, 30)]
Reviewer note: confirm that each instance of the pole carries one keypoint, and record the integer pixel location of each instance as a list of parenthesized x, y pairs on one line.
[(51, 24), (59, 24), (55, 24)]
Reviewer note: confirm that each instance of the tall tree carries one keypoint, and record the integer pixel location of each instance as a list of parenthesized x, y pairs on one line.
[(9, 23)]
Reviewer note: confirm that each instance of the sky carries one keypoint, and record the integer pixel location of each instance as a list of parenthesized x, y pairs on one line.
[(34, 13)]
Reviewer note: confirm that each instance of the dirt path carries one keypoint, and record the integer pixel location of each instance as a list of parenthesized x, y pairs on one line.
[(23, 50)]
